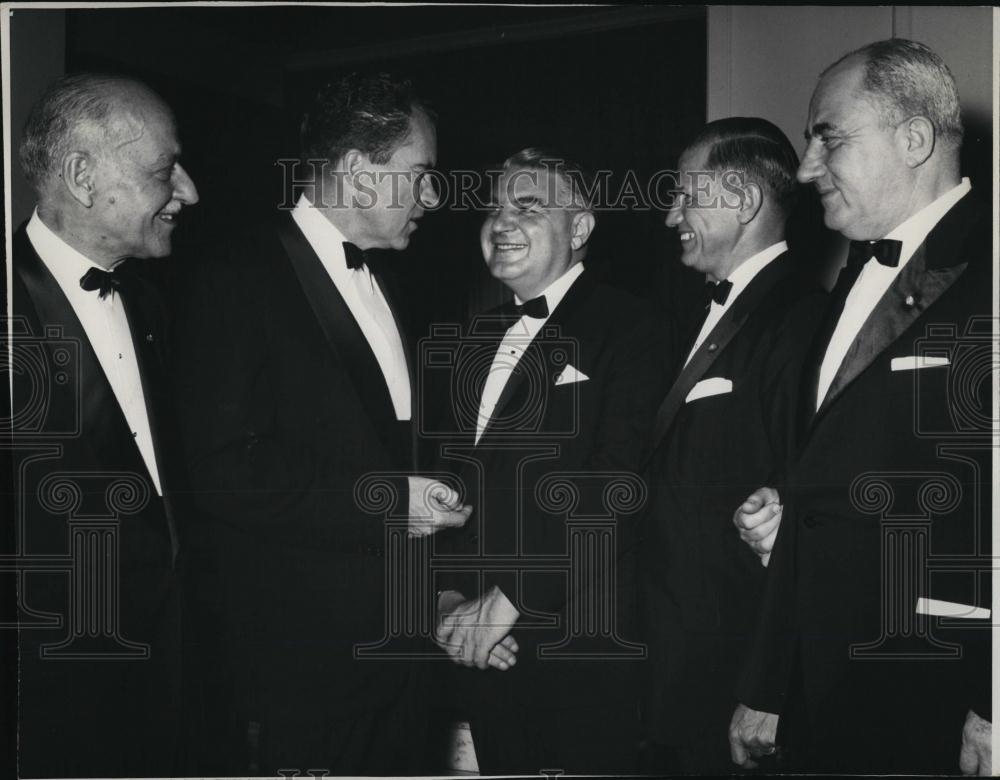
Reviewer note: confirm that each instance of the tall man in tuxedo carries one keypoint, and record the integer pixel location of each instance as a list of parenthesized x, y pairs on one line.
[(721, 429), (889, 475), (563, 415), (99, 681), (293, 385)]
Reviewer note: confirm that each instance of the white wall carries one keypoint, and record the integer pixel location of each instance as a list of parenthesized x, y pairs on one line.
[(764, 60)]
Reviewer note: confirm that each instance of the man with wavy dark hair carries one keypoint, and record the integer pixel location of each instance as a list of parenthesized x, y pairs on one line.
[(293, 386)]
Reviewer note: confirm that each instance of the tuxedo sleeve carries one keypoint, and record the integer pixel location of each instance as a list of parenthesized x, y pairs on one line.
[(249, 462), (770, 651)]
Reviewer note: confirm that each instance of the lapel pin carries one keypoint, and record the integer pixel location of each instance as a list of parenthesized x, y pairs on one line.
[(149, 337), (909, 300), (712, 347)]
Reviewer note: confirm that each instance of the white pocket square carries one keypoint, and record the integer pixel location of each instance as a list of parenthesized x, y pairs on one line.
[(569, 375), (951, 609), (914, 362), (715, 385)]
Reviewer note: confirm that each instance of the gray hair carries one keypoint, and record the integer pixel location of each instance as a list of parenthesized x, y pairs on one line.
[(906, 79), (69, 104), (577, 179)]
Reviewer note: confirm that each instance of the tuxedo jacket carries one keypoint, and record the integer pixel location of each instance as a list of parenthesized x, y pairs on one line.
[(283, 412), (722, 430), (563, 446), (99, 695), (886, 506)]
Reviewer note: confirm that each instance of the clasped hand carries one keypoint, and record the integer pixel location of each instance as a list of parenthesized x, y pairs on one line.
[(476, 632), (433, 507), (758, 519)]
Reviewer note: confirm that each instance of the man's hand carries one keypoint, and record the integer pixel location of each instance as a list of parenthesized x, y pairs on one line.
[(477, 632), (758, 519), (434, 506), (976, 757), (751, 735)]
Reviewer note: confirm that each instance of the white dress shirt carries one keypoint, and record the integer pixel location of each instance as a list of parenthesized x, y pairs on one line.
[(740, 278), (875, 279), (107, 329), (365, 300), (516, 340)]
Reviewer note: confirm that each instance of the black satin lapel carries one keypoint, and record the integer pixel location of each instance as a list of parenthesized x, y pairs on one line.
[(717, 340), (140, 300), (100, 414), (343, 334), (892, 316), (410, 372), (809, 386)]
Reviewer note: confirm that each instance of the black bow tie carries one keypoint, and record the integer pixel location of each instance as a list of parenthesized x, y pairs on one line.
[(718, 292), (354, 255), (885, 251), (536, 308), (104, 281)]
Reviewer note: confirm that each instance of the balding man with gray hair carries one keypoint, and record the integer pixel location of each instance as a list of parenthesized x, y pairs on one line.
[(100, 676), (874, 642)]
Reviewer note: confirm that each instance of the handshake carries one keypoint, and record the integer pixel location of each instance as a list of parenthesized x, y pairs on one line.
[(476, 632), (473, 632)]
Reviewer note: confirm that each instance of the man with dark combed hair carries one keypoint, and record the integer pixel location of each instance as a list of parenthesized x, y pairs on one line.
[(884, 510), (293, 385), (99, 673), (722, 425), (368, 113)]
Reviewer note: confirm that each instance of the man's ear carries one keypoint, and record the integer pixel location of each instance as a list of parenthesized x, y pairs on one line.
[(751, 199), (917, 133), (583, 226), (77, 174), (353, 162)]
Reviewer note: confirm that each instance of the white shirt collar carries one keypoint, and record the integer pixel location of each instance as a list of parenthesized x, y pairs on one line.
[(64, 262), (318, 230), (557, 290), (753, 265), (914, 230)]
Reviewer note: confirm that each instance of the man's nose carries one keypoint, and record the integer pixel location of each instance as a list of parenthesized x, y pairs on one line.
[(428, 195), (184, 189), (676, 213), (502, 220), (813, 162)]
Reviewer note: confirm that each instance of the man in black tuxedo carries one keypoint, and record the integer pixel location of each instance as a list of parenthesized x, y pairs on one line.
[(884, 508), (294, 388), (97, 531), (563, 386), (721, 429)]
